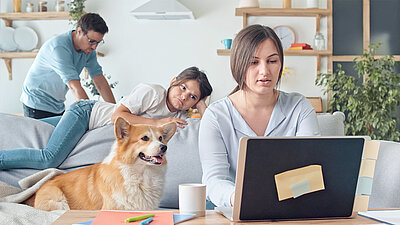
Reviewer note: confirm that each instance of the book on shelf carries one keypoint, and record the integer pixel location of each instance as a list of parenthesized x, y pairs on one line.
[(300, 46)]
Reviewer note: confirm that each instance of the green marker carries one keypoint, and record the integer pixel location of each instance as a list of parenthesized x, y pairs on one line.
[(136, 218)]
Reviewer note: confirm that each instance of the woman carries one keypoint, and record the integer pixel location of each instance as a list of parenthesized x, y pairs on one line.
[(254, 108), (147, 104)]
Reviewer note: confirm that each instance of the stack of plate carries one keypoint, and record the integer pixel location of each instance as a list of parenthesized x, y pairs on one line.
[(21, 38), (7, 42)]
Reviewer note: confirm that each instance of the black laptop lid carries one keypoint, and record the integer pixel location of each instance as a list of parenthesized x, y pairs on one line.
[(340, 159)]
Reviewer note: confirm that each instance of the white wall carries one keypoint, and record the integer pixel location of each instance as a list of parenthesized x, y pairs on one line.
[(155, 51)]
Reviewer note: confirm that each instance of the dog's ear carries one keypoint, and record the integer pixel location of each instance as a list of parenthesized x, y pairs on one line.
[(121, 129), (169, 130)]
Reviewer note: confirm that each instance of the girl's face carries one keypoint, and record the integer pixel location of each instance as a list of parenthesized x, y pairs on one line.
[(263, 72), (183, 96)]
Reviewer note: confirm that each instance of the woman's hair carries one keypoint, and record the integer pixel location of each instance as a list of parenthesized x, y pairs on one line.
[(94, 22), (244, 48), (193, 73)]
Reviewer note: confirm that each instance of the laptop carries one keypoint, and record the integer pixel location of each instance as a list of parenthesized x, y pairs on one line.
[(296, 177)]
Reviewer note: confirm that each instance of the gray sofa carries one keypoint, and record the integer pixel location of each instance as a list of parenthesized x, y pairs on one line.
[(183, 159)]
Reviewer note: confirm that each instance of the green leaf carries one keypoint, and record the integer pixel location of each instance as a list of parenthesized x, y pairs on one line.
[(371, 106)]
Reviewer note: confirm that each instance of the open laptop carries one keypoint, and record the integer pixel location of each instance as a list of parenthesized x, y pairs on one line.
[(296, 177)]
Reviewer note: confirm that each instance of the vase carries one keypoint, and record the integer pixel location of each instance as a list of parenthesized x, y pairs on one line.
[(312, 4), (248, 3), (17, 5), (286, 3)]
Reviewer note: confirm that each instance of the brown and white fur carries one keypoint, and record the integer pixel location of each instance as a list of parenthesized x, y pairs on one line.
[(131, 177)]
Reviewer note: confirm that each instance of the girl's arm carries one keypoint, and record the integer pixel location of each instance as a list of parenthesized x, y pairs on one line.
[(125, 113)]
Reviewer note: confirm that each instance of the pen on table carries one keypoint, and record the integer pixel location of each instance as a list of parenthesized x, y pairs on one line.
[(136, 218), (147, 221)]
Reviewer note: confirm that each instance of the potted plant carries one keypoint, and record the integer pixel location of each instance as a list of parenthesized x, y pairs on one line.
[(76, 8), (88, 83), (369, 106)]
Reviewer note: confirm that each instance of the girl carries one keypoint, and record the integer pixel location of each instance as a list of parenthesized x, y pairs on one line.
[(254, 108), (146, 104)]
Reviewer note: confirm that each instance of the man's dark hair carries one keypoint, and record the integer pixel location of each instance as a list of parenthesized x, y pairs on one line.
[(94, 22)]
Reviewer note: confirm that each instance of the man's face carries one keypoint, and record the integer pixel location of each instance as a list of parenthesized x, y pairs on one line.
[(88, 42)]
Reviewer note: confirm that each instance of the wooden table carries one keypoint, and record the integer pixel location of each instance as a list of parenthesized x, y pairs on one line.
[(211, 218)]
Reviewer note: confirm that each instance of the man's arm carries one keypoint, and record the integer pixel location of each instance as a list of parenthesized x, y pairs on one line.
[(104, 88), (77, 90)]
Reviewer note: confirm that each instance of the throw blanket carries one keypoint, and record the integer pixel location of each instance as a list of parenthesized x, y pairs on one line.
[(11, 212)]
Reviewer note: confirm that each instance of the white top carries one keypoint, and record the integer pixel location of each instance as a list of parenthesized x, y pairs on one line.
[(145, 100), (222, 126)]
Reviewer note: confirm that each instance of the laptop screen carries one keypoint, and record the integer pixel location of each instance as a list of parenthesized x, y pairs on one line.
[(338, 159)]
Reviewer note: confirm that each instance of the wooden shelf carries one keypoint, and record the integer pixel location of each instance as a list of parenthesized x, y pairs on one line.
[(295, 12), (288, 52), (9, 17), (223, 52), (282, 12), (7, 56)]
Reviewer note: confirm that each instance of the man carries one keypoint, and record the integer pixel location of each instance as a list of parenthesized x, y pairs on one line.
[(58, 65)]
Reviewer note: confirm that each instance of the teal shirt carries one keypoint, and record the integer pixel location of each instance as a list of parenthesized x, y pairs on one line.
[(56, 64)]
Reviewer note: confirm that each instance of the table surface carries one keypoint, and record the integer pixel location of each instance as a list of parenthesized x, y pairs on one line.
[(211, 218)]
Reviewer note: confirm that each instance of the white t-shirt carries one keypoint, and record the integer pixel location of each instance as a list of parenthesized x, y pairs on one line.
[(145, 100)]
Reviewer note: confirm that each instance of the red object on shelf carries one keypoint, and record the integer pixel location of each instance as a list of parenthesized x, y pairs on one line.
[(300, 45)]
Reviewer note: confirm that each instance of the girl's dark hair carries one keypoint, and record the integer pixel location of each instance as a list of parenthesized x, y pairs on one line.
[(92, 21), (193, 73), (244, 47)]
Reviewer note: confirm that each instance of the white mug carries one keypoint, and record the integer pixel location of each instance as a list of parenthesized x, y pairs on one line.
[(192, 199)]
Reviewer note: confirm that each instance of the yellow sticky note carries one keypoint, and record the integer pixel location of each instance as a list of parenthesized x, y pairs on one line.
[(367, 168), (299, 181), (361, 203), (371, 149)]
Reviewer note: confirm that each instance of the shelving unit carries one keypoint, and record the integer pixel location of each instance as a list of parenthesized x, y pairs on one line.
[(8, 18), (294, 12)]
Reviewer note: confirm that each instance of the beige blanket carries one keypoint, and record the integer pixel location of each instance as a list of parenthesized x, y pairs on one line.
[(12, 212)]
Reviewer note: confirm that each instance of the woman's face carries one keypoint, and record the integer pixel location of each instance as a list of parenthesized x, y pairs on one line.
[(263, 72), (183, 96)]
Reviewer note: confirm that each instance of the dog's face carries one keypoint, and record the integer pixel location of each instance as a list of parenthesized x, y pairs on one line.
[(142, 144)]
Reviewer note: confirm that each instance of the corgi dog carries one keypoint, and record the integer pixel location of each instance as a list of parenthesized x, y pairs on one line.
[(131, 177)]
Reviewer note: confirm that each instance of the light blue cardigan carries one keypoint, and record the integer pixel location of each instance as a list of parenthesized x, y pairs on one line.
[(222, 126)]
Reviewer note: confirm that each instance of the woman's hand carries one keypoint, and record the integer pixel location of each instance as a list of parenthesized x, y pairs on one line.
[(179, 122)]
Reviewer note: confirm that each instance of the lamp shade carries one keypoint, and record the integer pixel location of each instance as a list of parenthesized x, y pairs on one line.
[(248, 3)]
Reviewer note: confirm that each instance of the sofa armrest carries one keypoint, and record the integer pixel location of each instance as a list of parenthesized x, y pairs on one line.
[(331, 124)]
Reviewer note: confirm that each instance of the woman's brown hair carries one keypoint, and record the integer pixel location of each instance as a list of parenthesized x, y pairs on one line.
[(245, 46)]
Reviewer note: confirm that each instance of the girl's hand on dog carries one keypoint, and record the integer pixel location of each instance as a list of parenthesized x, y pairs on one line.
[(179, 122)]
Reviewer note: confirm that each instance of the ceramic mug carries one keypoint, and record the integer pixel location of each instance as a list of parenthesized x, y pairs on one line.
[(227, 43), (192, 199)]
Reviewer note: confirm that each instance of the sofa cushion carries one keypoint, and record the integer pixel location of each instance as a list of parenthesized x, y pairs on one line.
[(182, 155), (385, 187), (331, 124)]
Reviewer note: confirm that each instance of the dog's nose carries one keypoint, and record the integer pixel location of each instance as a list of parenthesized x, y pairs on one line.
[(163, 148)]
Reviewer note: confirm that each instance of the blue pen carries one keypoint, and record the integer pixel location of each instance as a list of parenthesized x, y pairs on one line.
[(147, 221)]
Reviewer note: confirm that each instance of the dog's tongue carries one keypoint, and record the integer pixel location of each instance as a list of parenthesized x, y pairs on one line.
[(158, 159)]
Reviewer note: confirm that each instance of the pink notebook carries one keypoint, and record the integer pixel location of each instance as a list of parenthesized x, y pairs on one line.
[(119, 217)]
